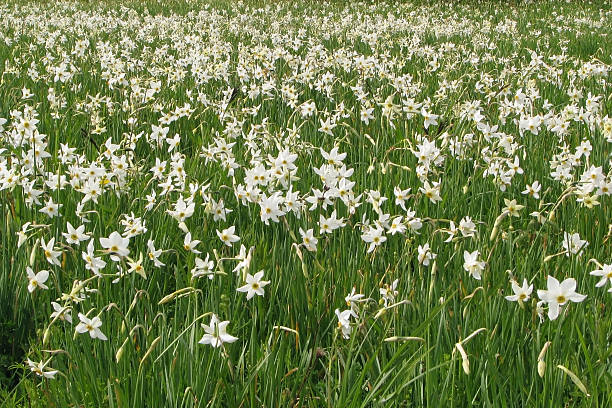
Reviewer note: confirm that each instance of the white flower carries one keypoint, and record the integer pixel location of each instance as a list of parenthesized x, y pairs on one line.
[(389, 292), (244, 258), (62, 313), (397, 226), (37, 280), (374, 236), (39, 369), (154, 254), (216, 333), (227, 236), (50, 254), (92, 262), (51, 208), (467, 227), (116, 245), (190, 245), (573, 244), (558, 294), (425, 255), (472, 265), (309, 240), (344, 322), (75, 235), (429, 118), (203, 267), (533, 190), (605, 273), (521, 293), (254, 285), (90, 325), (352, 299)]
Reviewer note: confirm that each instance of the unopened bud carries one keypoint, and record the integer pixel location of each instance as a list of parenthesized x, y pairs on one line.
[(541, 362), (33, 253), (119, 353), (541, 368), (46, 336)]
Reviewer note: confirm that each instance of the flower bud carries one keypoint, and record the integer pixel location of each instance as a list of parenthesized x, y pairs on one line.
[(46, 336), (33, 253), (119, 353), (541, 368)]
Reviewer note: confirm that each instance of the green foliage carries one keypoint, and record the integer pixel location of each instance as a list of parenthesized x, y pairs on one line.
[(290, 351)]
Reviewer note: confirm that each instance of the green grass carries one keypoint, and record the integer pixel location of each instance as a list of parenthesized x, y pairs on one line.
[(290, 350)]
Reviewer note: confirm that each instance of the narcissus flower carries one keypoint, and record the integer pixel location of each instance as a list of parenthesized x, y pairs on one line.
[(91, 326), (254, 285), (50, 253), (41, 370), (558, 294), (521, 293), (472, 265), (227, 236), (116, 245), (37, 280), (216, 333), (605, 273)]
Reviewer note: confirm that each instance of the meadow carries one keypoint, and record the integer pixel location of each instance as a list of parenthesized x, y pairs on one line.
[(305, 204)]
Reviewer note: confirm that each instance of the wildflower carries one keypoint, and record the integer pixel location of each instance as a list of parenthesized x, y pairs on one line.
[(401, 196), (521, 293), (374, 236), (116, 245), (203, 267), (216, 333), (50, 254), (572, 244), (533, 190), (467, 227), (389, 292), (227, 236), (605, 273), (92, 262), (244, 258), (136, 266), (51, 208), (431, 191), (397, 226), (558, 294), (327, 126), (154, 254), (92, 326), (429, 118), (352, 299), (344, 323), (308, 240), (328, 225), (472, 265), (425, 255), (62, 313), (36, 280), (189, 244), (254, 285), (75, 235), (40, 370), (512, 207)]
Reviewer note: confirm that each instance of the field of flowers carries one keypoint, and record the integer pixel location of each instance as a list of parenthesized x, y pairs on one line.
[(313, 204)]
